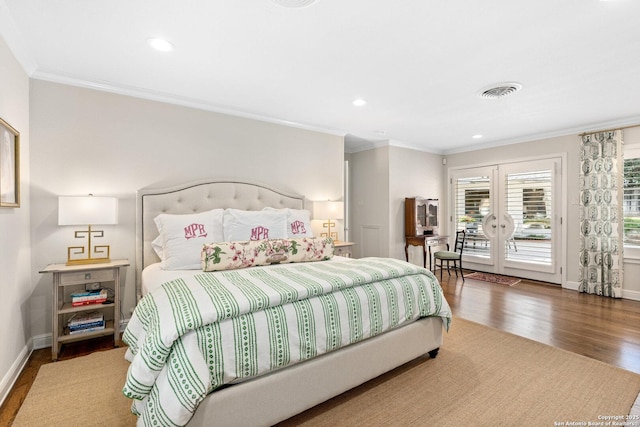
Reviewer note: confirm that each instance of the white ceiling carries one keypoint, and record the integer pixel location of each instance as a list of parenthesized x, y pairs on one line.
[(419, 64)]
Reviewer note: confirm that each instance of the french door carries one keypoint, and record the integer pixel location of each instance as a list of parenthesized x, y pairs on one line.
[(512, 216)]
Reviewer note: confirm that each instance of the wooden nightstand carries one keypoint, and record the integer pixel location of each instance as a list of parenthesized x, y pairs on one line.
[(68, 279), (344, 249)]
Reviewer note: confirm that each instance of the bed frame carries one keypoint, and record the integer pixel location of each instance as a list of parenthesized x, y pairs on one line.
[(280, 395)]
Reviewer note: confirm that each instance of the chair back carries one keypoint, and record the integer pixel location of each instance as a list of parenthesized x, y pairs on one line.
[(459, 244)]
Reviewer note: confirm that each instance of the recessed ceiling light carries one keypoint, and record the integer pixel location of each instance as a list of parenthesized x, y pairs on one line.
[(160, 44), (476, 136), (359, 102)]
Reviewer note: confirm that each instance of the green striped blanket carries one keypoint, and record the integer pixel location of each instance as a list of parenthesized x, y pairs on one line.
[(195, 335)]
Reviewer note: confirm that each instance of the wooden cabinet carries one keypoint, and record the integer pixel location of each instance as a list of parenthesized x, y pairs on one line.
[(68, 279), (421, 223), (420, 216)]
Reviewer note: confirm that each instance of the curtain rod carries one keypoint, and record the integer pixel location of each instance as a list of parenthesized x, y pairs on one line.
[(607, 130)]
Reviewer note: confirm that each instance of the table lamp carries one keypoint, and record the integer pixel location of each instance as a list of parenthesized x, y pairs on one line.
[(330, 211), (87, 210)]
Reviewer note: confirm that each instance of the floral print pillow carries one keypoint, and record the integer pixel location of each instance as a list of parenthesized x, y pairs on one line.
[(248, 253)]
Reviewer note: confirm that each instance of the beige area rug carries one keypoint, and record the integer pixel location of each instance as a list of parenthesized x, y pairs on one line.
[(494, 278), (482, 377), (85, 391)]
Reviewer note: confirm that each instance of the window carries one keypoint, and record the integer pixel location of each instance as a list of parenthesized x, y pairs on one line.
[(533, 203), (631, 196)]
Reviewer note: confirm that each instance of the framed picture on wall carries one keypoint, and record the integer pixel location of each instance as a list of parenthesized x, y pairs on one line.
[(9, 166)]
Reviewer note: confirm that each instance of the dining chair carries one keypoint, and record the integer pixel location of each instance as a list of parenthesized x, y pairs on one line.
[(454, 256)]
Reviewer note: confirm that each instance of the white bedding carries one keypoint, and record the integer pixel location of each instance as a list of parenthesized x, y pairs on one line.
[(290, 312), (153, 276)]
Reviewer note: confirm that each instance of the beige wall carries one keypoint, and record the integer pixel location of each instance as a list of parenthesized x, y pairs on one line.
[(381, 178), (16, 285), (86, 141), (412, 173)]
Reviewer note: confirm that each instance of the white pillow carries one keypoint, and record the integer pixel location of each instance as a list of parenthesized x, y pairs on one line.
[(158, 247), (182, 237), (254, 225), (298, 222)]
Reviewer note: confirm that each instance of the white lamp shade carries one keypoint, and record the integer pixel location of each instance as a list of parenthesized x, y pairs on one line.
[(87, 210), (328, 210)]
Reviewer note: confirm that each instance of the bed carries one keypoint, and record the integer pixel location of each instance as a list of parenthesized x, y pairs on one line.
[(287, 390)]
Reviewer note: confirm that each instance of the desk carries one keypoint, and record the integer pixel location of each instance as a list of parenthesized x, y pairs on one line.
[(426, 242)]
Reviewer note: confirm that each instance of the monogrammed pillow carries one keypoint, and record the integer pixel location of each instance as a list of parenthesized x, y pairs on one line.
[(232, 255), (253, 225), (182, 237), (298, 222)]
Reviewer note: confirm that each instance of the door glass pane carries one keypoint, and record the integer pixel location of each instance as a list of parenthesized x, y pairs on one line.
[(528, 217), (472, 204)]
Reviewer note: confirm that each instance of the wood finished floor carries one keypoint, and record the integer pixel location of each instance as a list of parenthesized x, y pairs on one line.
[(600, 328), (604, 329)]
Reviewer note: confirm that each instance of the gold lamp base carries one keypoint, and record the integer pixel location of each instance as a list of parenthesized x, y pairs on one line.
[(85, 261), (329, 233), (80, 250)]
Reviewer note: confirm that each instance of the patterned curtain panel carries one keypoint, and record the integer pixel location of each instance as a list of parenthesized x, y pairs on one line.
[(601, 214)]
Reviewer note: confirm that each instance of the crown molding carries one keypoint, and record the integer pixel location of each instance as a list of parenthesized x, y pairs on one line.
[(592, 127), (137, 92)]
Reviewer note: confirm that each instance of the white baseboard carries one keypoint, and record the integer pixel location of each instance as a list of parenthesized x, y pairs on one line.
[(634, 295), (571, 285), (626, 294), (14, 372), (42, 341)]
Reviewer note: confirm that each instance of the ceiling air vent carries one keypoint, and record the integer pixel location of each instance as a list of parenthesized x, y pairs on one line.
[(499, 90), (294, 3)]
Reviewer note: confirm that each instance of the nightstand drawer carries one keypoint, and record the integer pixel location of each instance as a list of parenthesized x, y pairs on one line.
[(76, 278), (344, 249)]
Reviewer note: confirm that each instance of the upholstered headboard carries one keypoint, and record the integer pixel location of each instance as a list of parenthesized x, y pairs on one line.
[(199, 196)]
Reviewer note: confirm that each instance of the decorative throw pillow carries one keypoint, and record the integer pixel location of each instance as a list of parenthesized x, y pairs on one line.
[(253, 225), (232, 255), (182, 237), (298, 222)]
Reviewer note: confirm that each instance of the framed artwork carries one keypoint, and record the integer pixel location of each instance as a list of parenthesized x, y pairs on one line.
[(9, 166)]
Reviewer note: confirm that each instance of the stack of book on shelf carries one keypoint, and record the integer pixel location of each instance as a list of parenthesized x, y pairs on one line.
[(97, 296), (87, 321)]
